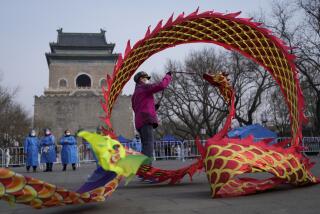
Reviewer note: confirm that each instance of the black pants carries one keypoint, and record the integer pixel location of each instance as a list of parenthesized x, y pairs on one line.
[(33, 167), (65, 167), (147, 140), (48, 167)]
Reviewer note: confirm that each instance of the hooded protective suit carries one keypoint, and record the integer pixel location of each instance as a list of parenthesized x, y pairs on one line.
[(31, 149), (48, 149), (69, 152)]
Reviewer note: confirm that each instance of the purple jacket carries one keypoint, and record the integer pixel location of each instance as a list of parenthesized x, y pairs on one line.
[(143, 102)]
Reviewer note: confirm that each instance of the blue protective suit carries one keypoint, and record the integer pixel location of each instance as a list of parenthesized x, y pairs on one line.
[(32, 148), (69, 152), (136, 145), (48, 149)]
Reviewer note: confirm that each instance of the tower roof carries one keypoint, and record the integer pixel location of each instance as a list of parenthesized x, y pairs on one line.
[(81, 39), (67, 42)]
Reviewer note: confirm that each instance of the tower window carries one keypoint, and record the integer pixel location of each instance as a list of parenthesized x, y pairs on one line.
[(62, 83), (103, 83), (83, 80)]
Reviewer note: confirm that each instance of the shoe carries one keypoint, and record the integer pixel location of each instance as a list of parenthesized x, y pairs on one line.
[(47, 167), (150, 181), (140, 178)]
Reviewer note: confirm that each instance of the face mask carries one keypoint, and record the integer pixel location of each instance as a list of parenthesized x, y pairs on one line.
[(47, 133), (146, 81), (68, 133), (33, 134)]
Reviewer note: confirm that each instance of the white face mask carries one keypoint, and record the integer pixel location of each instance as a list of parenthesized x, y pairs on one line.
[(47, 133), (146, 81), (68, 133), (33, 134)]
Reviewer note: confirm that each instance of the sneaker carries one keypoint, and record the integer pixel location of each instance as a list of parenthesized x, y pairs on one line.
[(150, 181), (140, 178)]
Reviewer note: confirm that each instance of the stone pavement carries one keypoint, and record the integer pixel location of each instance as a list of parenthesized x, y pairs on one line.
[(187, 197)]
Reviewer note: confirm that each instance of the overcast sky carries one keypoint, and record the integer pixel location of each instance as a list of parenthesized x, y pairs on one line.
[(28, 26)]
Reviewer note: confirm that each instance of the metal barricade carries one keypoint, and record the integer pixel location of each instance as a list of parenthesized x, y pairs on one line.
[(85, 154), (2, 163), (58, 154), (16, 156), (188, 148), (311, 145), (191, 149), (168, 150), (163, 150), (282, 139)]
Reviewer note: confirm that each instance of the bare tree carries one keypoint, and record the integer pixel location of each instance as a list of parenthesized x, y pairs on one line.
[(190, 104), (278, 112), (302, 34), (251, 83), (15, 121), (309, 56)]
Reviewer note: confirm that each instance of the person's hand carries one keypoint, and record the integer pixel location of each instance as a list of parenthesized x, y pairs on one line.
[(157, 106), (169, 73)]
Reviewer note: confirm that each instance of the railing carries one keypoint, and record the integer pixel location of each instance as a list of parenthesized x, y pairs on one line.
[(16, 157), (2, 162), (311, 144), (85, 154), (163, 150), (191, 149), (168, 150)]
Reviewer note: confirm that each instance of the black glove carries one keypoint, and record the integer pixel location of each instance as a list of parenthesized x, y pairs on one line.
[(157, 106), (169, 73)]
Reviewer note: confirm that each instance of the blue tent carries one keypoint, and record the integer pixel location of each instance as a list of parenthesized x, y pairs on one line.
[(122, 139), (169, 137), (258, 131)]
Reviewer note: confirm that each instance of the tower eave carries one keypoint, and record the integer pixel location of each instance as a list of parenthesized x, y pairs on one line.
[(79, 57)]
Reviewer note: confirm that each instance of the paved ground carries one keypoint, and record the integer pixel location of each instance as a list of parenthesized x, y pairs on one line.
[(182, 198)]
